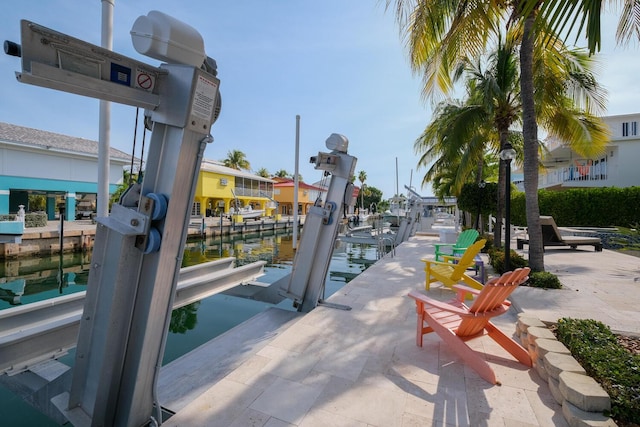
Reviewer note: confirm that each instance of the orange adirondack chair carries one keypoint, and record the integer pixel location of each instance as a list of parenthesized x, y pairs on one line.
[(450, 274), (456, 323)]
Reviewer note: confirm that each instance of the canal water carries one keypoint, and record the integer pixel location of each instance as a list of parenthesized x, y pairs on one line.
[(26, 281)]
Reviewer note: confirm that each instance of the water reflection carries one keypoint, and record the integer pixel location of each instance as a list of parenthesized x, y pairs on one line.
[(184, 318), (27, 280)]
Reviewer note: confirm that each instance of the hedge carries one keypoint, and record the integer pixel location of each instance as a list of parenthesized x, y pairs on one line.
[(585, 207)]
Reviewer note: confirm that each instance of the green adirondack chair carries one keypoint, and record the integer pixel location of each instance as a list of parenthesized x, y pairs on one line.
[(465, 239)]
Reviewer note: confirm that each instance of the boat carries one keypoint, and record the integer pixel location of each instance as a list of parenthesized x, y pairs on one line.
[(247, 212)]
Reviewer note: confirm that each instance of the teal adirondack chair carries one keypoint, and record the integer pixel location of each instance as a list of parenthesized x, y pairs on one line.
[(465, 239)]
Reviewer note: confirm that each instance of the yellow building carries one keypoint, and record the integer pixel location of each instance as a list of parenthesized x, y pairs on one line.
[(227, 191), (283, 193)]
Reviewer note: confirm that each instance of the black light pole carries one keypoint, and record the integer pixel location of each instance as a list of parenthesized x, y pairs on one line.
[(507, 154), (481, 186)]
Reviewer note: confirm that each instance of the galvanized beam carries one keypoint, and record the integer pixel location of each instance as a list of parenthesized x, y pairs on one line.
[(48, 329)]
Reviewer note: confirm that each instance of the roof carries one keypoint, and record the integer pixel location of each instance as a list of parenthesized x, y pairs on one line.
[(48, 140), (290, 183), (209, 165)]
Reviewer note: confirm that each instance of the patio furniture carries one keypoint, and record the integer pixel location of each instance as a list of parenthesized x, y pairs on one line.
[(455, 323), (465, 239), (450, 274), (477, 266), (551, 237)]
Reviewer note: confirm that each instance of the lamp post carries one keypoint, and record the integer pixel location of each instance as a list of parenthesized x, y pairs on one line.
[(481, 186), (507, 154)]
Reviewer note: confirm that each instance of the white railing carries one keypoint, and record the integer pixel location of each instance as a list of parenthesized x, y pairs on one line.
[(248, 192), (573, 174)]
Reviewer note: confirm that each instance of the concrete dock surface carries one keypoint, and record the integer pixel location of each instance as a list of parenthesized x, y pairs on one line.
[(361, 367)]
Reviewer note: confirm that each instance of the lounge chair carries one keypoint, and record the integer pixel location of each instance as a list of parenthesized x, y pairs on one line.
[(465, 239), (551, 237), (449, 273), (456, 323)]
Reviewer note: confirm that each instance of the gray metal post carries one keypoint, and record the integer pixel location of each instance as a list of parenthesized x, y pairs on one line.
[(138, 250), (130, 293), (311, 262)]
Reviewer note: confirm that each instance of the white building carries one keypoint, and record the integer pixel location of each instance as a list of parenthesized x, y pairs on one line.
[(61, 167), (617, 166)]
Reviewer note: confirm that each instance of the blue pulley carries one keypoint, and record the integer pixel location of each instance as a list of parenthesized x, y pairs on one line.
[(153, 241), (160, 203)]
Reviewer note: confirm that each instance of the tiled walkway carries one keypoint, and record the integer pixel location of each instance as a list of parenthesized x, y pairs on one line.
[(362, 367)]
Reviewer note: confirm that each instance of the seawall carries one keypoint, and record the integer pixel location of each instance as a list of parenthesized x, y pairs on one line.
[(79, 236)]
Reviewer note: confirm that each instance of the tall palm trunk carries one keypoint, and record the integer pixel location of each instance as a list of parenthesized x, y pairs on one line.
[(479, 170), (503, 131), (530, 133)]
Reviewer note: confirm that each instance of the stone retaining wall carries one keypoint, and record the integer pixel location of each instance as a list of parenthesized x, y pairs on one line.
[(583, 400), (48, 242)]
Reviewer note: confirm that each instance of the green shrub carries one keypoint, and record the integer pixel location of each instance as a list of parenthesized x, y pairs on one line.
[(582, 206), (7, 217), (488, 246), (617, 370), (496, 259), (35, 219), (544, 280)]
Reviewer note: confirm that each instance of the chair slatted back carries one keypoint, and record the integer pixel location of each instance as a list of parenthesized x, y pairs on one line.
[(466, 238), (467, 259), (491, 298)]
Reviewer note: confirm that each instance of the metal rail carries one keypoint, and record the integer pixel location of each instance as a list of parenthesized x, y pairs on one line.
[(48, 329)]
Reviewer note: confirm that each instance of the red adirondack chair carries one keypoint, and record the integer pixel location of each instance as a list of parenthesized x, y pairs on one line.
[(456, 323)]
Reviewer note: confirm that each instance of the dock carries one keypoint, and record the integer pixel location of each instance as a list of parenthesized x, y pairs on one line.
[(361, 367), (79, 236)]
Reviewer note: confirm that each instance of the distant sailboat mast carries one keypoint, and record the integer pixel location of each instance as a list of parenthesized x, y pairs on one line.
[(397, 191)]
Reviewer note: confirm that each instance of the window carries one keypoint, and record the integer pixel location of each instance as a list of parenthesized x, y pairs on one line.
[(195, 209), (625, 129), (634, 128)]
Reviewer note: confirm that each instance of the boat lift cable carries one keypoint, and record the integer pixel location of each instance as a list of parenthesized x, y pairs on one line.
[(144, 137), (133, 150)]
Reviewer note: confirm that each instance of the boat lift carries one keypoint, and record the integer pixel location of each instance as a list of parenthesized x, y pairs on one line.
[(138, 248), (305, 284)]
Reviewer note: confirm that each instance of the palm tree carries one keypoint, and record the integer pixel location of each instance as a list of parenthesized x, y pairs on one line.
[(560, 13), (282, 173), (362, 177), (263, 172), (236, 159), (557, 15), (482, 123), (441, 35)]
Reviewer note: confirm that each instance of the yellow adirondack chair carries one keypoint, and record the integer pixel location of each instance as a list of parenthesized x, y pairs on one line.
[(456, 323), (450, 274)]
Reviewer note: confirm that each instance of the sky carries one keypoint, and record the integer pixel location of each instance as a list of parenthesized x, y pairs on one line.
[(340, 65)]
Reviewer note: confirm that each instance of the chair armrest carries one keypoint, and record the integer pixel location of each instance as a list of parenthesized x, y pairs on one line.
[(437, 304), (432, 261), (438, 245), (464, 290), (450, 258)]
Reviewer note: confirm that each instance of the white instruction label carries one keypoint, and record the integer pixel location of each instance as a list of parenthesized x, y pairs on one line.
[(204, 98)]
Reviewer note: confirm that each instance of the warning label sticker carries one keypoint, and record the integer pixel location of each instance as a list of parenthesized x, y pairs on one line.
[(145, 80), (204, 98)]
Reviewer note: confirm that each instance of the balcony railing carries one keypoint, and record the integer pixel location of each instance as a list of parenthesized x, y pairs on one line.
[(573, 174), (248, 192)]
